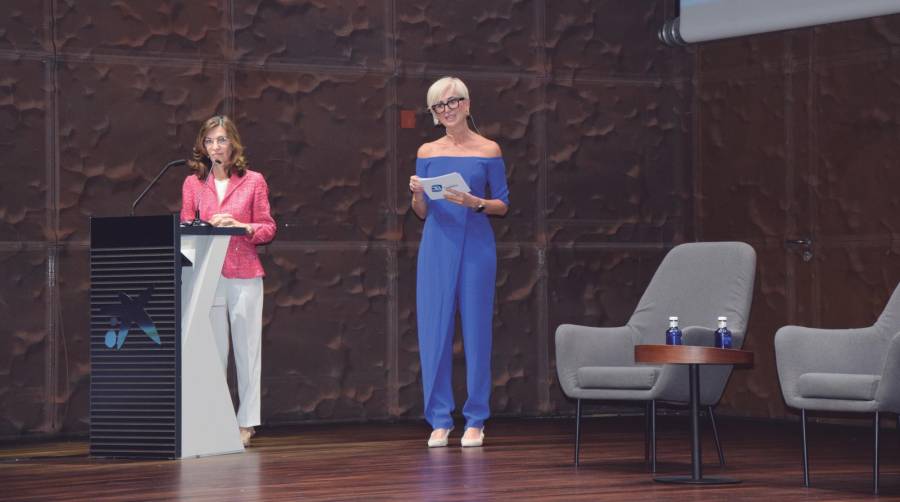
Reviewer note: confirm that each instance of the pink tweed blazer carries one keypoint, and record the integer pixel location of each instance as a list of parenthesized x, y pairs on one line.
[(247, 200)]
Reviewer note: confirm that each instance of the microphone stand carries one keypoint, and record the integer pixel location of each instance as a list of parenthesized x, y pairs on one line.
[(197, 221), (152, 183)]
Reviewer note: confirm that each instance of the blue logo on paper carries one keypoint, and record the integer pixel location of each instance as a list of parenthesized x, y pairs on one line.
[(437, 188), (126, 315)]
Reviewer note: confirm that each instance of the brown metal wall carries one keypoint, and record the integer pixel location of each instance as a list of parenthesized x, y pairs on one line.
[(798, 136), (592, 113)]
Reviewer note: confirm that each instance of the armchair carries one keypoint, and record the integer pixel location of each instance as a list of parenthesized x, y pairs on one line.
[(697, 282), (842, 370)]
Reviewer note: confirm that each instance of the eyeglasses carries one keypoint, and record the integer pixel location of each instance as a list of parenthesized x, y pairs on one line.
[(450, 104), (221, 141)]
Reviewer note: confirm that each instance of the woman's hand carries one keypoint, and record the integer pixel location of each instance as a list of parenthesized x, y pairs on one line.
[(418, 197), (462, 198), (415, 186), (227, 220)]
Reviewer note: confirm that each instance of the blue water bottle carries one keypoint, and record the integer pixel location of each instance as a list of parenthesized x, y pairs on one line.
[(723, 335), (673, 334)]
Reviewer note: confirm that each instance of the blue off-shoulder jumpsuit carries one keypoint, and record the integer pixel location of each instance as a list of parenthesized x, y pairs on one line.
[(457, 267)]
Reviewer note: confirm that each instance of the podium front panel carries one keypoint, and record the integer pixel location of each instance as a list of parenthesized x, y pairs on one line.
[(135, 337)]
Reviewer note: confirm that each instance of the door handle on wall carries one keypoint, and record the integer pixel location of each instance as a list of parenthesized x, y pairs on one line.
[(805, 243)]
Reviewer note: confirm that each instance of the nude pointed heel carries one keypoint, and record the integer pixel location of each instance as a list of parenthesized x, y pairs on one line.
[(471, 443), (439, 442)]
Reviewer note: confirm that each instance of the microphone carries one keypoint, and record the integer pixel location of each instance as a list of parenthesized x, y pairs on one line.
[(152, 183), (197, 222), (472, 118)]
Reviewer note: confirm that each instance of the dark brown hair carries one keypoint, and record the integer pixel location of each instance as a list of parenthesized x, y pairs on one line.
[(200, 162)]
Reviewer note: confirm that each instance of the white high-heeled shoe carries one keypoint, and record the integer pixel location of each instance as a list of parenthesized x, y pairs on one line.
[(434, 442), (469, 443)]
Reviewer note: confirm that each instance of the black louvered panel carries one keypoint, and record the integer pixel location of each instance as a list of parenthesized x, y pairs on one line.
[(134, 379)]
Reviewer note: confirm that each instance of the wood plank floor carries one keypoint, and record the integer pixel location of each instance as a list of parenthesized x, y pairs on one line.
[(522, 460)]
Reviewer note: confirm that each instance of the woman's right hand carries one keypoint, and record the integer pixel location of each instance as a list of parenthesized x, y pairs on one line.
[(415, 186)]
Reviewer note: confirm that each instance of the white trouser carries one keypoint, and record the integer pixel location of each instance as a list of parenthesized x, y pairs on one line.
[(240, 301)]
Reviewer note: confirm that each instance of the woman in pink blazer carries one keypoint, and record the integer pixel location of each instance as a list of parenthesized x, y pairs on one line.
[(228, 194)]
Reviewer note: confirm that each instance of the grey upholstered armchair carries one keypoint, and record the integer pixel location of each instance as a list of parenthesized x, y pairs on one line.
[(697, 282), (842, 370)]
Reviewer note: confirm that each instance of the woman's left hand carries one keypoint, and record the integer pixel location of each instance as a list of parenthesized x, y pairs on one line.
[(462, 198)]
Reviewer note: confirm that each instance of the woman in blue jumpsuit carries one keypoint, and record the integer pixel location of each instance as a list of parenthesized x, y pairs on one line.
[(457, 263)]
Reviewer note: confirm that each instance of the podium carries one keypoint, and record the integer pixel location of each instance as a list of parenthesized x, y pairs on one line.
[(158, 388)]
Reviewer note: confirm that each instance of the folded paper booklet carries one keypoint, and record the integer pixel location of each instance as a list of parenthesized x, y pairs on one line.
[(435, 187)]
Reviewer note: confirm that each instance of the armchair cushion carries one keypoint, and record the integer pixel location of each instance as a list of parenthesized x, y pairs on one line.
[(617, 377), (838, 386)]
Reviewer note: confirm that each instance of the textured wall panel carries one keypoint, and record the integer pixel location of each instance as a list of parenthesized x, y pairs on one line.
[(614, 171), (409, 369), (598, 145), (796, 139), (609, 37), (135, 27), (515, 358), (23, 25), (23, 115), (859, 142), (880, 34), (467, 35), (741, 170), (73, 339), (411, 93), (321, 143), (751, 55), (324, 332), (856, 281), (24, 343), (594, 287), (118, 125), (342, 33)]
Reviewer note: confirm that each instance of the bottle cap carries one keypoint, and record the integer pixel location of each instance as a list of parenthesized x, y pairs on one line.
[(673, 318), (723, 318)]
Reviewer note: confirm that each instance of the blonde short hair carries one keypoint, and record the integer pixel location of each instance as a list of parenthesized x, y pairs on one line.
[(438, 89)]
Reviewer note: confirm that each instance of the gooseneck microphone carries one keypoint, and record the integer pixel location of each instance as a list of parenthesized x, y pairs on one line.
[(152, 183), (197, 221)]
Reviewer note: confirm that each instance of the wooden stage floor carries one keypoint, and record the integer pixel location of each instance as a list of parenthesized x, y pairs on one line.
[(522, 460)]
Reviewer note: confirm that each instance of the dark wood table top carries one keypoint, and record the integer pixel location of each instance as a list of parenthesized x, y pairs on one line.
[(690, 354)]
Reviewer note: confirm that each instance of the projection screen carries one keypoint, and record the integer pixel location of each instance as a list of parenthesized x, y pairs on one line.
[(703, 20)]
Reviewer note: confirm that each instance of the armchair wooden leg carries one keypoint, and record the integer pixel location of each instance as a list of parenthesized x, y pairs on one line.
[(805, 457), (577, 428), (715, 430), (875, 456)]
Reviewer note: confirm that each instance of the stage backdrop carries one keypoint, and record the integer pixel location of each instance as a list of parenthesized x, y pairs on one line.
[(598, 125), (797, 138)]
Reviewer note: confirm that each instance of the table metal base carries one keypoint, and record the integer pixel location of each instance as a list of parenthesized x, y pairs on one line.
[(688, 480)]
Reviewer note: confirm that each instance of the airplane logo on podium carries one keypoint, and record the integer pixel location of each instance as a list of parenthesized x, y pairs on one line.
[(128, 313)]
